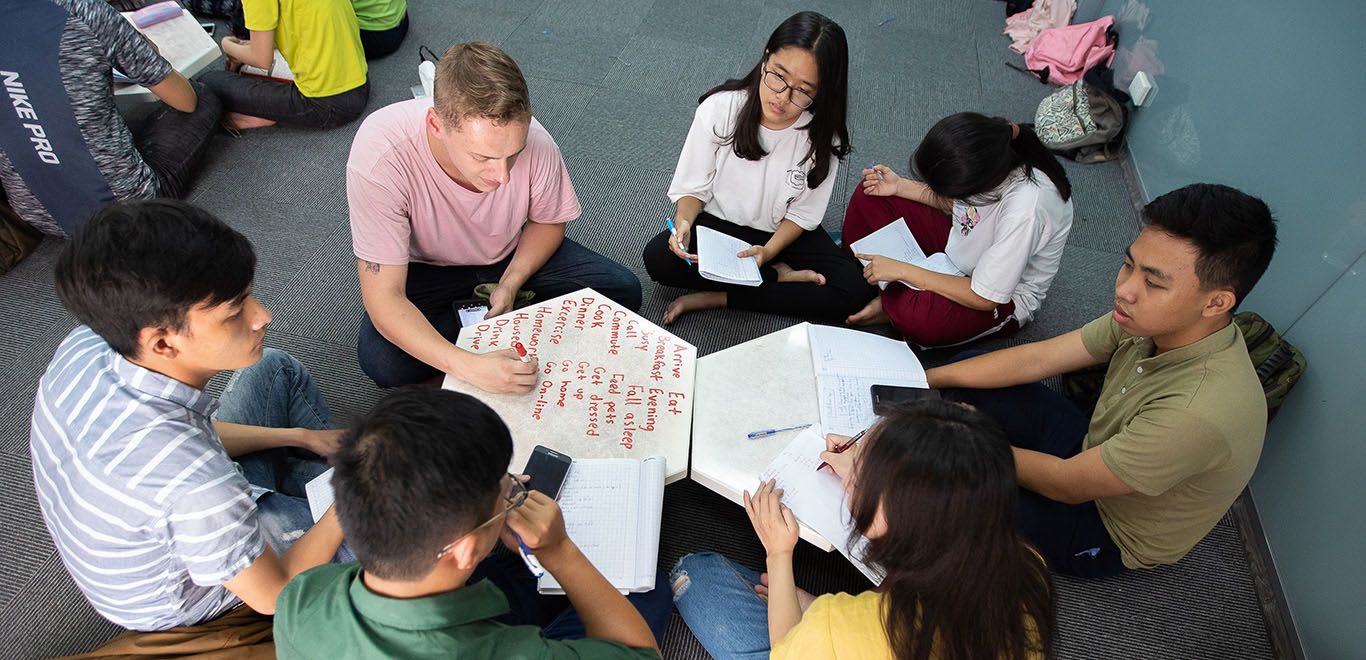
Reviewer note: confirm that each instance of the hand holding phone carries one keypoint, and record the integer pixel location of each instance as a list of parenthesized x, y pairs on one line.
[(548, 469)]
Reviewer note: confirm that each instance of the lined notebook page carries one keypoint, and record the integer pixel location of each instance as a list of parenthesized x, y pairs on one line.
[(648, 520), (716, 259), (600, 501)]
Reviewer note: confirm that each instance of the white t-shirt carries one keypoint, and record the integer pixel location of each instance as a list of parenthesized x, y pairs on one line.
[(750, 193), (1012, 248)]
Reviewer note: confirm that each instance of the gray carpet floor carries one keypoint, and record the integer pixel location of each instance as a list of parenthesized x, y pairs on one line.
[(616, 82)]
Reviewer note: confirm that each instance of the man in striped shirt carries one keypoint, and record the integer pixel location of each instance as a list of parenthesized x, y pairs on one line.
[(164, 515)]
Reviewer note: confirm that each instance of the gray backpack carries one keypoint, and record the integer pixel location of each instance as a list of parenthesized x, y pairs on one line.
[(1081, 122)]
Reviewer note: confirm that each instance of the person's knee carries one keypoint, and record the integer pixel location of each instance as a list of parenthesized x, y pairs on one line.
[(623, 286), (697, 563)]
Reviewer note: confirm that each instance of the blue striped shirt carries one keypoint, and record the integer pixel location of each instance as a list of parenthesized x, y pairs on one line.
[(147, 510)]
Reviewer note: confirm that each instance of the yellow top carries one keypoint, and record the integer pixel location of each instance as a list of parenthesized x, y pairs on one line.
[(320, 40), (844, 627), (838, 626)]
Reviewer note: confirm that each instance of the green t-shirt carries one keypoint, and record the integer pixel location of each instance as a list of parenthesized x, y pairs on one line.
[(328, 613), (1184, 429), (318, 38), (379, 14)]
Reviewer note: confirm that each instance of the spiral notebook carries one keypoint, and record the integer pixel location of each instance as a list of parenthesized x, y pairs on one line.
[(612, 511)]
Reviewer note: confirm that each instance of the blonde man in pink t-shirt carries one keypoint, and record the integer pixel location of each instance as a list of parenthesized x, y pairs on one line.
[(450, 193)]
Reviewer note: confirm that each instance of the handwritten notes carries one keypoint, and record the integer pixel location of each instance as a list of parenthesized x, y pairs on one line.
[(817, 498), (612, 385), (847, 364), (896, 242), (716, 259), (612, 511)]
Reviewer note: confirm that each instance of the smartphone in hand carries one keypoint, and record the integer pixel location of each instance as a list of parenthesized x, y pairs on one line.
[(547, 469)]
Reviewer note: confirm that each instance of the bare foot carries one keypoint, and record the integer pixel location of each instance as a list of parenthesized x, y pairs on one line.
[(693, 302), (239, 122), (871, 314), (804, 598), (786, 274)]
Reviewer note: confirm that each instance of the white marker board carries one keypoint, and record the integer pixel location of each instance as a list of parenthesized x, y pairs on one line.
[(612, 384)]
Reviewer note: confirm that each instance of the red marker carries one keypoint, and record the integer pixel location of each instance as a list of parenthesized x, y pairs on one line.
[(521, 351)]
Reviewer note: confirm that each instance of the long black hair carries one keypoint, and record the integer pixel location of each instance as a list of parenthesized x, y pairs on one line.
[(829, 133), (967, 155), (962, 583)]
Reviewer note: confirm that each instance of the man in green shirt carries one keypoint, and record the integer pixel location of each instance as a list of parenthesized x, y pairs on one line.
[(423, 495), (1179, 425)]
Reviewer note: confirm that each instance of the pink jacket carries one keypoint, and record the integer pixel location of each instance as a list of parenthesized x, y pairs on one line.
[(1067, 52)]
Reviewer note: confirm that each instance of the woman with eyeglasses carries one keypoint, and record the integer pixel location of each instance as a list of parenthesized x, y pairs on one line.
[(995, 201), (759, 164), (932, 488)]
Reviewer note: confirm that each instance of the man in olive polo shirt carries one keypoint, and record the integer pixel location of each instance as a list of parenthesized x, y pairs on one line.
[(1179, 425), (423, 493)]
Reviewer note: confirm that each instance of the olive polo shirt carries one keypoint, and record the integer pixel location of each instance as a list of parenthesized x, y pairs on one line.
[(1183, 428), (328, 613)]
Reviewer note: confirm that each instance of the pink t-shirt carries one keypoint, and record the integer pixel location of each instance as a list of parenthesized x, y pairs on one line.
[(405, 208)]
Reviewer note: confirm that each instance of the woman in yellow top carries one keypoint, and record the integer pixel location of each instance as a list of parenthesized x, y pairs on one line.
[(320, 43), (932, 486)]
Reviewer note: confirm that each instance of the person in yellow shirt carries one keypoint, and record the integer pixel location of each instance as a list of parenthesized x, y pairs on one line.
[(320, 43), (932, 487)]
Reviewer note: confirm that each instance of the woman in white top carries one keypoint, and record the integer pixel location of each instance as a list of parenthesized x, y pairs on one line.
[(995, 201), (759, 164)]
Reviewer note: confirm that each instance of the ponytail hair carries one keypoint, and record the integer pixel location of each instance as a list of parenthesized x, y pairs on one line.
[(967, 155), (828, 129)]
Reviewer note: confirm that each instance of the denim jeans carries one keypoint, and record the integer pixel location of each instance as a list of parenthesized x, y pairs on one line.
[(432, 289), (173, 143), (554, 615), (1071, 537), (277, 392), (716, 598)]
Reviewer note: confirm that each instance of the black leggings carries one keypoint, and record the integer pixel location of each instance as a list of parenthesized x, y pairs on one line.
[(282, 102), (378, 43), (844, 292)]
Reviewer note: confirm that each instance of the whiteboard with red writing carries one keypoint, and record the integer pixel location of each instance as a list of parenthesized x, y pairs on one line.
[(612, 385)]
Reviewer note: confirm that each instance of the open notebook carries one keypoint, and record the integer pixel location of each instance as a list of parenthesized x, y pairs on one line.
[(612, 510), (847, 364), (817, 498), (896, 242), (716, 259)]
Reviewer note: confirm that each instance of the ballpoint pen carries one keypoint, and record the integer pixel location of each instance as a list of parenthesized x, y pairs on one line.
[(767, 432)]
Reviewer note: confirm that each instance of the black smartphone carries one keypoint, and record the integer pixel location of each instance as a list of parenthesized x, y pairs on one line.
[(547, 469), (886, 395)]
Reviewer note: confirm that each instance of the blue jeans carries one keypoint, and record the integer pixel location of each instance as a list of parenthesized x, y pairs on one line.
[(1071, 537), (554, 615), (716, 598), (432, 289), (277, 392)]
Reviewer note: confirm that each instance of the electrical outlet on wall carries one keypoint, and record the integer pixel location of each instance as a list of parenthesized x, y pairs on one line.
[(1142, 89)]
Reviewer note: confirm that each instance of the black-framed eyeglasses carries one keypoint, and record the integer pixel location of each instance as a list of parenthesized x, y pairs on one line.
[(513, 496), (776, 82)]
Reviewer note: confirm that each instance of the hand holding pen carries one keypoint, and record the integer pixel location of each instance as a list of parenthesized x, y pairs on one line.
[(837, 456), (679, 231), (880, 181)]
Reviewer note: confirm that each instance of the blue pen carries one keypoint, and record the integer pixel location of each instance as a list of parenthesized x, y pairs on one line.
[(672, 230), (767, 432), (531, 562), (873, 165)]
